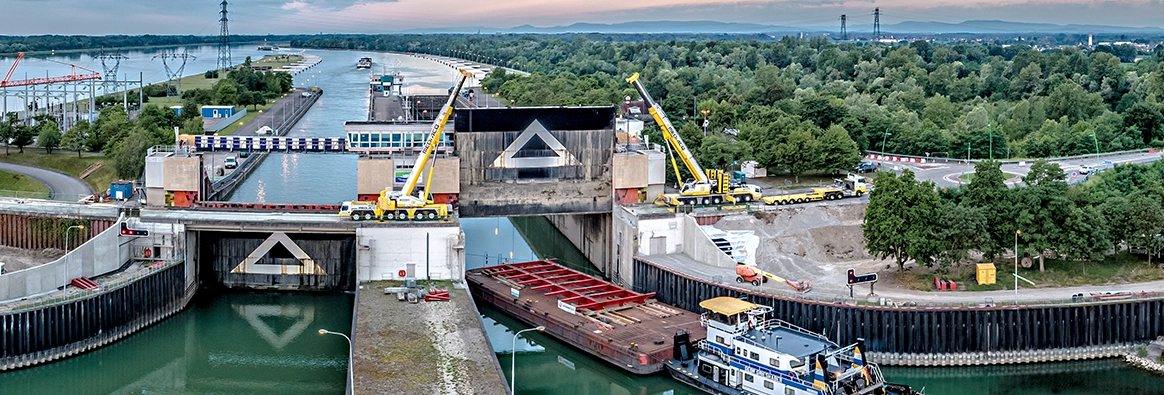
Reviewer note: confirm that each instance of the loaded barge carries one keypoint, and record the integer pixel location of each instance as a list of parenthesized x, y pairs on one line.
[(628, 329)]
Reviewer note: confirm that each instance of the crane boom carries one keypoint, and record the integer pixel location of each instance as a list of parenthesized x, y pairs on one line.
[(438, 128), (669, 132), (73, 77)]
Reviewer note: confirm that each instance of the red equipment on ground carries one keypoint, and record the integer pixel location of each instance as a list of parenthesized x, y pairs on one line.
[(754, 275)]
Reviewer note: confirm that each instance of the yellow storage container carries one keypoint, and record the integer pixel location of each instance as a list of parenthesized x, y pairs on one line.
[(986, 274)]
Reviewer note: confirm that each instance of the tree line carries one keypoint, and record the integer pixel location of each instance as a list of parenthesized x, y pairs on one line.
[(1118, 209), (955, 99)]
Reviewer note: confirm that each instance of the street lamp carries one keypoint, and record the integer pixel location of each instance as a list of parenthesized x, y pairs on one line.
[(351, 353), (1016, 258), (1096, 139), (513, 357), (68, 232), (705, 112), (887, 134)]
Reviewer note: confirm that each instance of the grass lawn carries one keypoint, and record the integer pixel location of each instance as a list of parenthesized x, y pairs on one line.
[(1117, 269), (21, 183), (68, 163)]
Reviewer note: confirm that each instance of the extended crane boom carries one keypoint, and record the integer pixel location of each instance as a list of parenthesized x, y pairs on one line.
[(73, 77), (669, 132), (438, 128)]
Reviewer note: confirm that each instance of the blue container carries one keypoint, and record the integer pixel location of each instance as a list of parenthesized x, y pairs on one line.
[(121, 190)]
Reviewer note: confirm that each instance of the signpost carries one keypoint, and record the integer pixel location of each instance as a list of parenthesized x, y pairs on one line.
[(855, 279)]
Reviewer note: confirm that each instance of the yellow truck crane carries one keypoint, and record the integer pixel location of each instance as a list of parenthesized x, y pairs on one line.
[(852, 186), (711, 186), (401, 205)]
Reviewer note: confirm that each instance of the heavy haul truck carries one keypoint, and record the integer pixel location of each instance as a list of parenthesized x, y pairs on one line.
[(710, 186), (851, 186), (401, 204)]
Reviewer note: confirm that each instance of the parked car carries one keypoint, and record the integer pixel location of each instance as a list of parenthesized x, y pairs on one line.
[(865, 167), (230, 162)]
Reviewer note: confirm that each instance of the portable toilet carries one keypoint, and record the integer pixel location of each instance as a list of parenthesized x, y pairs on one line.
[(177, 110)]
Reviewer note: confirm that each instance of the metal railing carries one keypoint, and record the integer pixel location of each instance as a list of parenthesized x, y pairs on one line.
[(60, 197), (1016, 160)]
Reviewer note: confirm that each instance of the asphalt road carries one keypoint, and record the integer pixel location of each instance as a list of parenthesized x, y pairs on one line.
[(945, 174), (61, 186), (277, 115)]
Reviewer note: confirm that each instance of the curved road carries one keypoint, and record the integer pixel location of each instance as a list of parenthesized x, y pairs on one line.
[(61, 186)]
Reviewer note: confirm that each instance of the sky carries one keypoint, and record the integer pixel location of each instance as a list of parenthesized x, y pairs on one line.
[(200, 17)]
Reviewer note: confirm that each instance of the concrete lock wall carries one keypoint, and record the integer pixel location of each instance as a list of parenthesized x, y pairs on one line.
[(46, 333), (437, 252), (535, 161), (182, 173), (940, 336), (590, 233), (374, 175), (104, 253)]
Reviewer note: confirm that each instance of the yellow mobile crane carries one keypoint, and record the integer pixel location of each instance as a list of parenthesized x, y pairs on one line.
[(401, 204), (712, 186)]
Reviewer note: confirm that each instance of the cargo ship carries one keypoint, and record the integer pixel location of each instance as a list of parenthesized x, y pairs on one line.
[(747, 353), (627, 329), (364, 63)]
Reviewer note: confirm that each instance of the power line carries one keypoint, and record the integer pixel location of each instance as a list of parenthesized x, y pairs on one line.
[(174, 77)]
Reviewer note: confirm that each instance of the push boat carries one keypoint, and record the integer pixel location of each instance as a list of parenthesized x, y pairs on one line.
[(746, 353), (627, 329), (364, 63)]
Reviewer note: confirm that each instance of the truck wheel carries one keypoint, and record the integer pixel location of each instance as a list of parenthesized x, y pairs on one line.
[(747, 198), (785, 201), (367, 216), (355, 216), (756, 282), (800, 200), (859, 193), (431, 215), (716, 200), (704, 201), (739, 279)]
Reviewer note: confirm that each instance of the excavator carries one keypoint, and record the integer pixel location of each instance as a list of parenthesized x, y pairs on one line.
[(751, 274), (401, 204), (711, 186)]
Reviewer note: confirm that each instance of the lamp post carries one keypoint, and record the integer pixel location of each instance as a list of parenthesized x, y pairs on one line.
[(887, 134), (1096, 139), (513, 358), (351, 353), (69, 232), (990, 130), (705, 112), (1016, 258)]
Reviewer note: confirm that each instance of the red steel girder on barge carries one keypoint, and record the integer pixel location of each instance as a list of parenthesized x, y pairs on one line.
[(573, 286)]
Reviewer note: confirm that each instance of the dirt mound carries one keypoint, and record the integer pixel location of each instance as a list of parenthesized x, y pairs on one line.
[(809, 242), (19, 259)]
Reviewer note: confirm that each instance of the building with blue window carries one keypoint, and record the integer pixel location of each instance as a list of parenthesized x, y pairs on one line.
[(389, 138), (218, 111)]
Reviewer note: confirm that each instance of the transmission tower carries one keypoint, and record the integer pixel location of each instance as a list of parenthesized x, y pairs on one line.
[(110, 72), (844, 32), (224, 62), (174, 76), (877, 24)]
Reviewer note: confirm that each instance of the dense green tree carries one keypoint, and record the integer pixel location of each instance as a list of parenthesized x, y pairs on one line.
[(193, 126), (837, 151), (798, 153), (23, 135), (8, 129), (129, 153), (49, 136), (1042, 206), (76, 137), (1146, 117), (226, 92), (987, 190), (962, 229), (901, 219)]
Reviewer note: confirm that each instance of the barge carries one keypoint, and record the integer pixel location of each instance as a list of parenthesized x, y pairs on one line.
[(747, 353), (628, 329)]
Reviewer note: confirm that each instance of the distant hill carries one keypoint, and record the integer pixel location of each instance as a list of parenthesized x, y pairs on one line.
[(985, 26), (972, 26)]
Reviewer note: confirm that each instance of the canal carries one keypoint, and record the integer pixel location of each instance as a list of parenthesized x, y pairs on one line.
[(266, 342)]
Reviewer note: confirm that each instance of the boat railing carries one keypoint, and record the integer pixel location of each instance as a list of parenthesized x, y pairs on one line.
[(702, 346), (776, 323)]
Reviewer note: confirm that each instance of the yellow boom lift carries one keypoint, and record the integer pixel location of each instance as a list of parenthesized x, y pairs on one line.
[(401, 205), (711, 186)]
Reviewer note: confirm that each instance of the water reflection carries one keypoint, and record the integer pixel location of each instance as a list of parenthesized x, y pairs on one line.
[(258, 343)]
